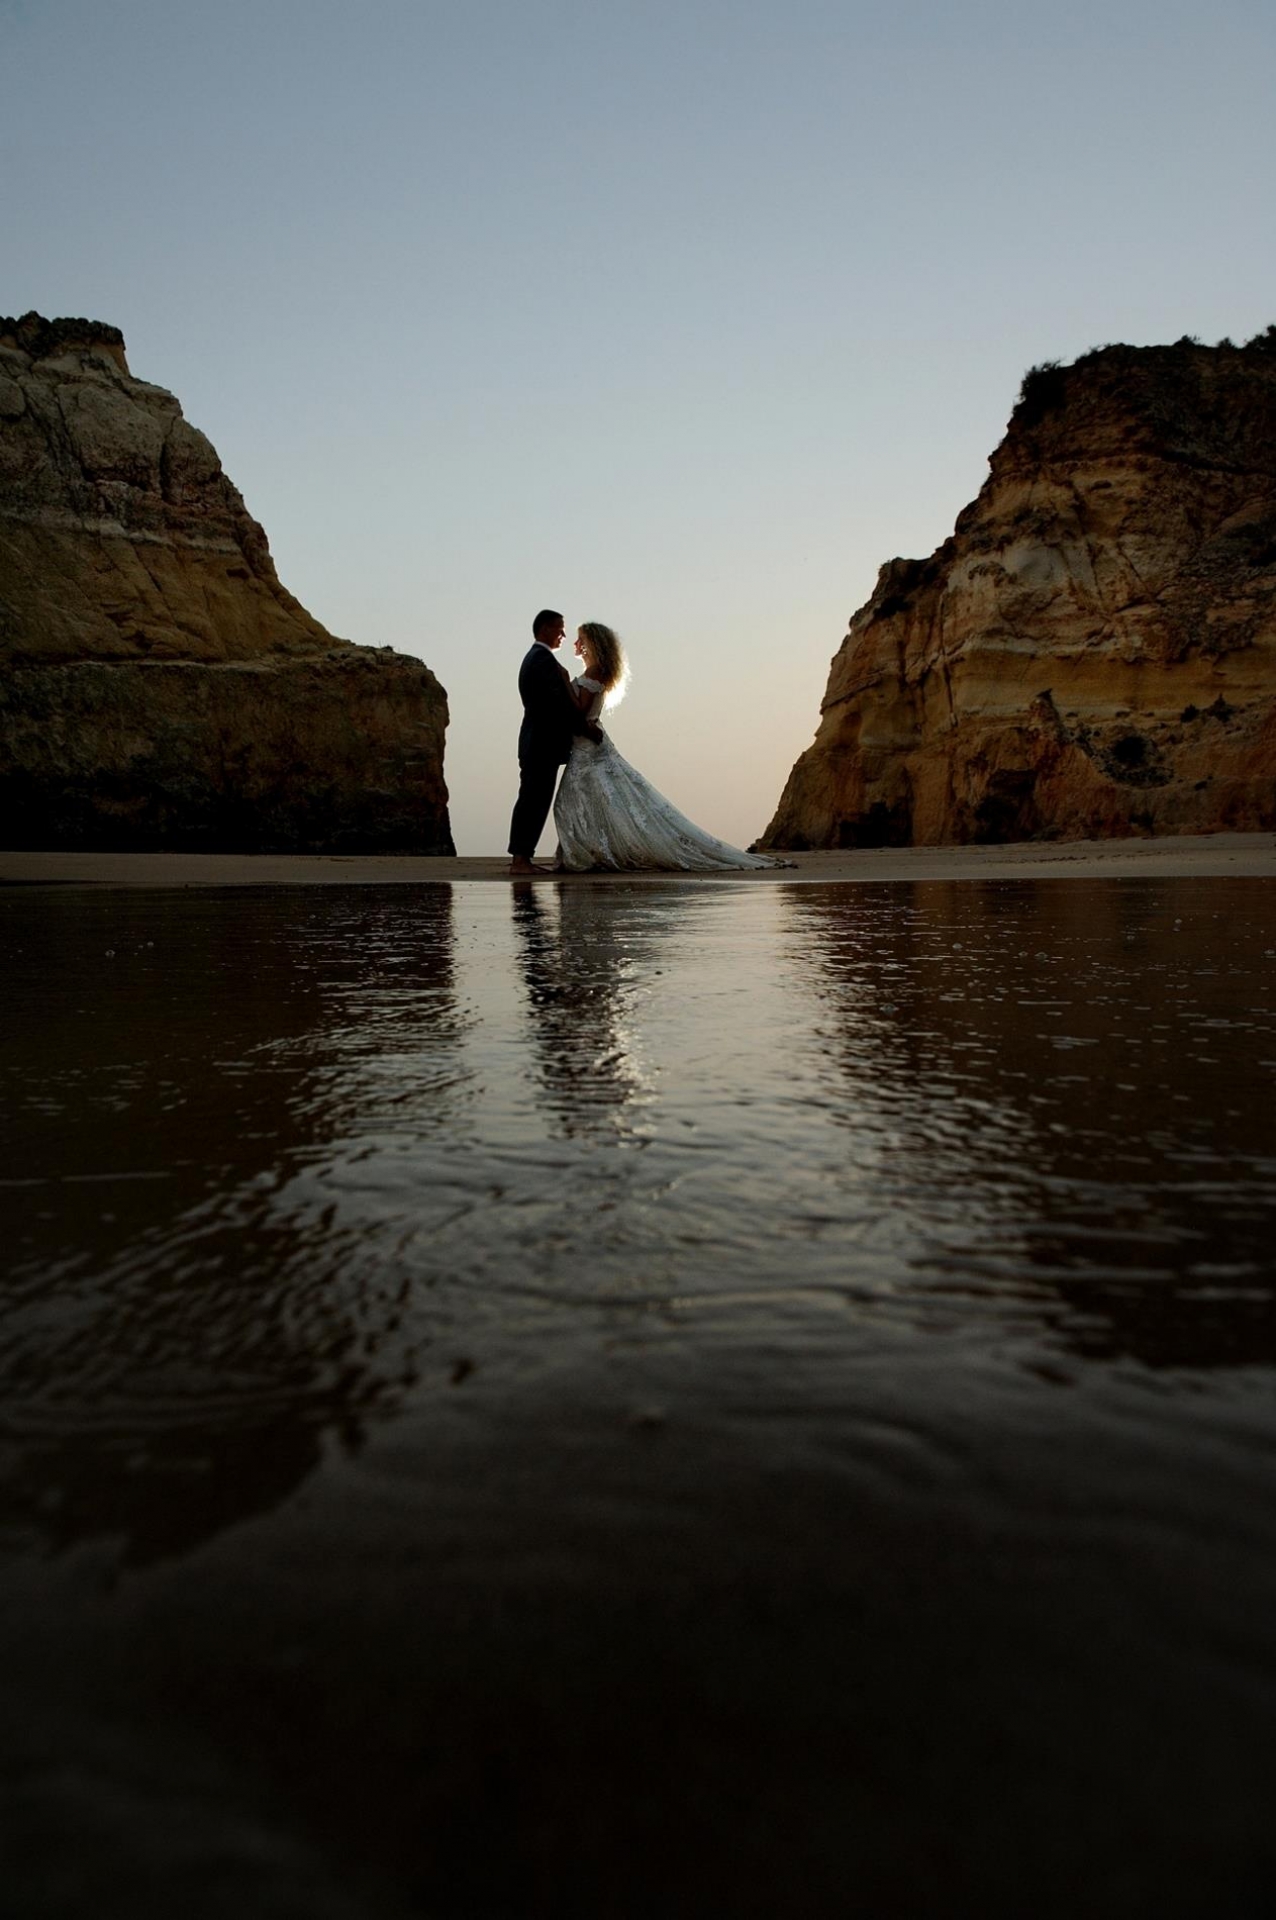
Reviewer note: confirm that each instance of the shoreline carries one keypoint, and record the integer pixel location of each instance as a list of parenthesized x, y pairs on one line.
[(1188, 856)]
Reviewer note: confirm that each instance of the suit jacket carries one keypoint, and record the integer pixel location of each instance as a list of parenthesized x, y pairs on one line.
[(550, 715)]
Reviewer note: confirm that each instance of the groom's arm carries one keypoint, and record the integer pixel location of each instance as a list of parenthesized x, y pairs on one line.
[(562, 695), (580, 724)]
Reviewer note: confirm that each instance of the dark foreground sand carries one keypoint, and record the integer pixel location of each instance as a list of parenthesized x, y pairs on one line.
[(1250, 855), (652, 1414)]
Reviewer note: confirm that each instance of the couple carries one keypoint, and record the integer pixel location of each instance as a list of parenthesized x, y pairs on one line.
[(606, 814)]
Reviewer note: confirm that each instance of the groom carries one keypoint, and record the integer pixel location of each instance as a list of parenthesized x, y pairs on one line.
[(550, 720)]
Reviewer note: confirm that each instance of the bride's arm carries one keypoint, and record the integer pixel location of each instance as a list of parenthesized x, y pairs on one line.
[(582, 699)]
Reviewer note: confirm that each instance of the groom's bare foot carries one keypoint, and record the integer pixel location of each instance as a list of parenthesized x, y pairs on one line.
[(520, 869)]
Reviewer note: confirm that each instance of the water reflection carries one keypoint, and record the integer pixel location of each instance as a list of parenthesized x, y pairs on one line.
[(583, 956), (748, 1443), (1070, 1088), (271, 1161), (186, 1313)]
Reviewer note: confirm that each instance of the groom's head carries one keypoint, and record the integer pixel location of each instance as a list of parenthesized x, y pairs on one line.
[(548, 628)]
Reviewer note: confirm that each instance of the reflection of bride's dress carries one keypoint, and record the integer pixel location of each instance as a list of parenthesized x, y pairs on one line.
[(607, 815)]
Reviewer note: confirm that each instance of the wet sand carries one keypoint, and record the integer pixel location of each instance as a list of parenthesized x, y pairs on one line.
[(1189, 856), (592, 1401)]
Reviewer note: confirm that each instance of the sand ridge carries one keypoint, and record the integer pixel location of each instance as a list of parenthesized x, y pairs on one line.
[(1248, 855)]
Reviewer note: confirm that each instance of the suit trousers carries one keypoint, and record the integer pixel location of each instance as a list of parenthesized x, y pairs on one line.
[(536, 780)]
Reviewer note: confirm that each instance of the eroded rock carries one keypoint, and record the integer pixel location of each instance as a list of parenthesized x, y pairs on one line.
[(161, 688), (1093, 651)]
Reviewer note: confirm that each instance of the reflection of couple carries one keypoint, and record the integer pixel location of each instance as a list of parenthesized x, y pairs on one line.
[(577, 953), (606, 814)]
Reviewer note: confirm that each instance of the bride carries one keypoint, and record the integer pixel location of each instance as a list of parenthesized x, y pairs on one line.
[(606, 814)]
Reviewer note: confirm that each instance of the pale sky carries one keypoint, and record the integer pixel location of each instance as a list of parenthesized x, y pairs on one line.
[(684, 317)]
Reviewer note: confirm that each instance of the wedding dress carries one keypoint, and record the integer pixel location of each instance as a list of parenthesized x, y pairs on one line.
[(608, 816)]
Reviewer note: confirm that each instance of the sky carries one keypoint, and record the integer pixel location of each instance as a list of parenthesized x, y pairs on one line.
[(683, 317)]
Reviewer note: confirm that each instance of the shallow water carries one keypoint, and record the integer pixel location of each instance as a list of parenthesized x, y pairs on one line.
[(614, 1399)]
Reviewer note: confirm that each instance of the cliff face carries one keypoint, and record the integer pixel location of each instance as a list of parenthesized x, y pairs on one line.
[(160, 687), (1093, 652)]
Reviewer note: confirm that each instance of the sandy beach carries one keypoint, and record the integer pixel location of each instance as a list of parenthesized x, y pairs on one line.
[(591, 1400), (622, 1399), (1203, 856)]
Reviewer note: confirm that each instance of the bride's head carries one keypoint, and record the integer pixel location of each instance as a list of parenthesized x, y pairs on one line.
[(604, 660)]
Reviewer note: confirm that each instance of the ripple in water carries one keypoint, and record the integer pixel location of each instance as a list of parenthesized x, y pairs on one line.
[(867, 1290)]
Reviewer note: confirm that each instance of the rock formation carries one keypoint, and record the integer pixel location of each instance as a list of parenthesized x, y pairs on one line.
[(1093, 652), (161, 689)]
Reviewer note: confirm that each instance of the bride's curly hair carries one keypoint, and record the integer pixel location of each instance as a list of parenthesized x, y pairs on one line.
[(610, 667)]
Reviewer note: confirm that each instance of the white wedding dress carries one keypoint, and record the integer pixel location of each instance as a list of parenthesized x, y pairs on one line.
[(608, 816)]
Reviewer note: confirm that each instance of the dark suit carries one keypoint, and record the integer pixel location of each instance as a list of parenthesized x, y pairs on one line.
[(551, 719)]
